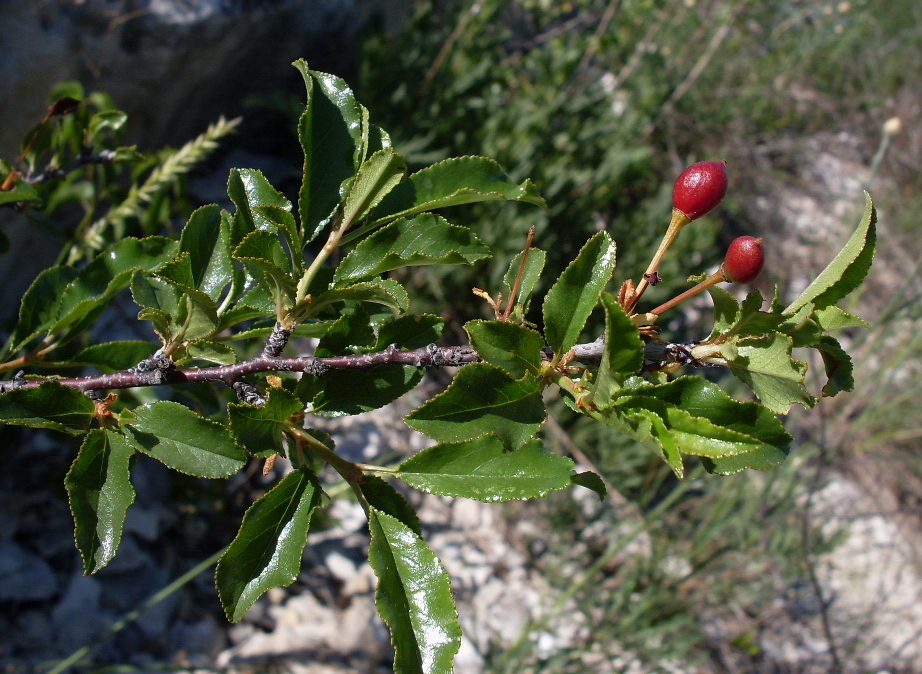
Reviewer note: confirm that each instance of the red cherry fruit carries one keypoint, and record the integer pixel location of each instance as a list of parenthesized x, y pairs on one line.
[(700, 188), (744, 259)]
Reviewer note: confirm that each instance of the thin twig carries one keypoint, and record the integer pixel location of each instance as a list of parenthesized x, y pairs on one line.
[(518, 277), (468, 16), (160, 372)]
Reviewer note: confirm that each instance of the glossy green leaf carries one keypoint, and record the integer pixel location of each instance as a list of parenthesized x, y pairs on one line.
[(383, 497), (690, 415), (259, 300), (461, 180), (838, 366), (380, 174), (766, 457), (649, 429), (259, 429), (22, 192), (409, 331), (99, 492), (481, 399), (262, 254), (624, 352), (178, 437), (355, 391), (515, 348), (191, 313), (351, 333), (422, 240), (386, 292), (482, 469), (116, 355), (162, 322), (766, 365), (591, 481), (178, 271), (702, 398), (413, 597), (111, 120), (211, 351), (267, 550), (111, 271), (741, 320), (284, 220), (847, 270), (48, 405), (249, 190), (206, 240), (693, 434), (40, 306), (59, 297), (834, 318), (726, 311), (800, 327), (531, 274), (330, 133), (623, 346), (575, 294)]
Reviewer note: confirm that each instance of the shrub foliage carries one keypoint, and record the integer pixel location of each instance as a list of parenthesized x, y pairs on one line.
[(225, 295)]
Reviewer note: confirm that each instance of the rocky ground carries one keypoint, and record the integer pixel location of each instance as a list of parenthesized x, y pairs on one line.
[(326, 622)]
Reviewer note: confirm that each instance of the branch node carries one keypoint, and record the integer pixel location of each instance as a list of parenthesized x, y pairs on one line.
[(154, 370), (316, 367), (18, 381), (248, 393), (277, 341)]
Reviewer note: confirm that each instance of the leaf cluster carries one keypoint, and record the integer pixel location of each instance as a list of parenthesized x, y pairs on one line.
[(321, 267)]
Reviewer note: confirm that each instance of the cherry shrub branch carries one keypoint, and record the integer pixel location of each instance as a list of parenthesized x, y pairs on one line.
[(159, 370)]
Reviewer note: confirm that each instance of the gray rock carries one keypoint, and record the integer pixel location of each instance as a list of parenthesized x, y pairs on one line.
[(24, 576), (173, 65), (77, 618)]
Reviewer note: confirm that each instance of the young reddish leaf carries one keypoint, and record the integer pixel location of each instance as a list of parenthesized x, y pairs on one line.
[(63, 106)]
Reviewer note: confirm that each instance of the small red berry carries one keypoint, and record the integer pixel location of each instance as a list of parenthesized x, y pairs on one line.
[(744, 259), (700, 188)]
